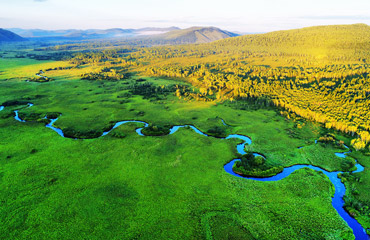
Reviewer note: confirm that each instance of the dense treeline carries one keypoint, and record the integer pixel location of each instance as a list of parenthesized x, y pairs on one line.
[(112, 74), (320, 73), (335, 95)]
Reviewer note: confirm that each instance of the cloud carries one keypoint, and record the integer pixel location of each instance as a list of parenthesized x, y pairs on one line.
[(194, 21), (337, 17), (39, 0)]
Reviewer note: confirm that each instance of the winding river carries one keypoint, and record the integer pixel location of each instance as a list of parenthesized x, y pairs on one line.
[(337, 200)]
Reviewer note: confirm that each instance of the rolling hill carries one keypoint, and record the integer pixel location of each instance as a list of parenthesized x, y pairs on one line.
[(8, 36)]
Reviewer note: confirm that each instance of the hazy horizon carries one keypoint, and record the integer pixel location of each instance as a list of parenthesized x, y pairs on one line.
[(82, 29), (234, 15)]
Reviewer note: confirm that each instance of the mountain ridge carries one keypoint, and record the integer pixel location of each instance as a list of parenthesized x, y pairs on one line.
[(193, 35), (9, 36), (167, 35)]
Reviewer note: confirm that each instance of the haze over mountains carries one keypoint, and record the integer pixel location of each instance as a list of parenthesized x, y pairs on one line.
[(171, 35), (89, 33)]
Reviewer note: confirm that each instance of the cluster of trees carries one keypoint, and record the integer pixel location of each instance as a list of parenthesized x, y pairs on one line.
[(150, 90), (40, 79), (330, 139), (252, 165), (155, 130), (56, 68), (56, 56), (184, 92), (116, 57), (111, 74)]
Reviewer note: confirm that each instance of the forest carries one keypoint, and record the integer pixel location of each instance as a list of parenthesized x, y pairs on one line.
[(318, 73)]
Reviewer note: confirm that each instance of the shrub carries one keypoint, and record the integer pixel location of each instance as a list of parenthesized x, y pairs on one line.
[(154, 130), (217, 131), (117, 134), (53, 115), (252, 165)]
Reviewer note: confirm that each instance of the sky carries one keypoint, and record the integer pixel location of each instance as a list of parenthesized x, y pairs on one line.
[(235, 15)]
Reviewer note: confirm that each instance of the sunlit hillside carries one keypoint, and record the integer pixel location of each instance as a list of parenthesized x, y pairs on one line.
[(341, 42)]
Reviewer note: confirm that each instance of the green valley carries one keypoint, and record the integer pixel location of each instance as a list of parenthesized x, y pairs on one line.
[(301, 97)]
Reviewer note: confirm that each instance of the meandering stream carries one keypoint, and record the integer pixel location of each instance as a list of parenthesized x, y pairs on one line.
[(337, 200)]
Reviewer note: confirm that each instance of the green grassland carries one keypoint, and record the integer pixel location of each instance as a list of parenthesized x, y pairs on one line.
[(144, 187), (23, 68), (125, 186), (89, 108)]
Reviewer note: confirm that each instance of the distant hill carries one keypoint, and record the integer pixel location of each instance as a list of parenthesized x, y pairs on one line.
[(155, 36), (8, 36), (74, 34), (194, 35)]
